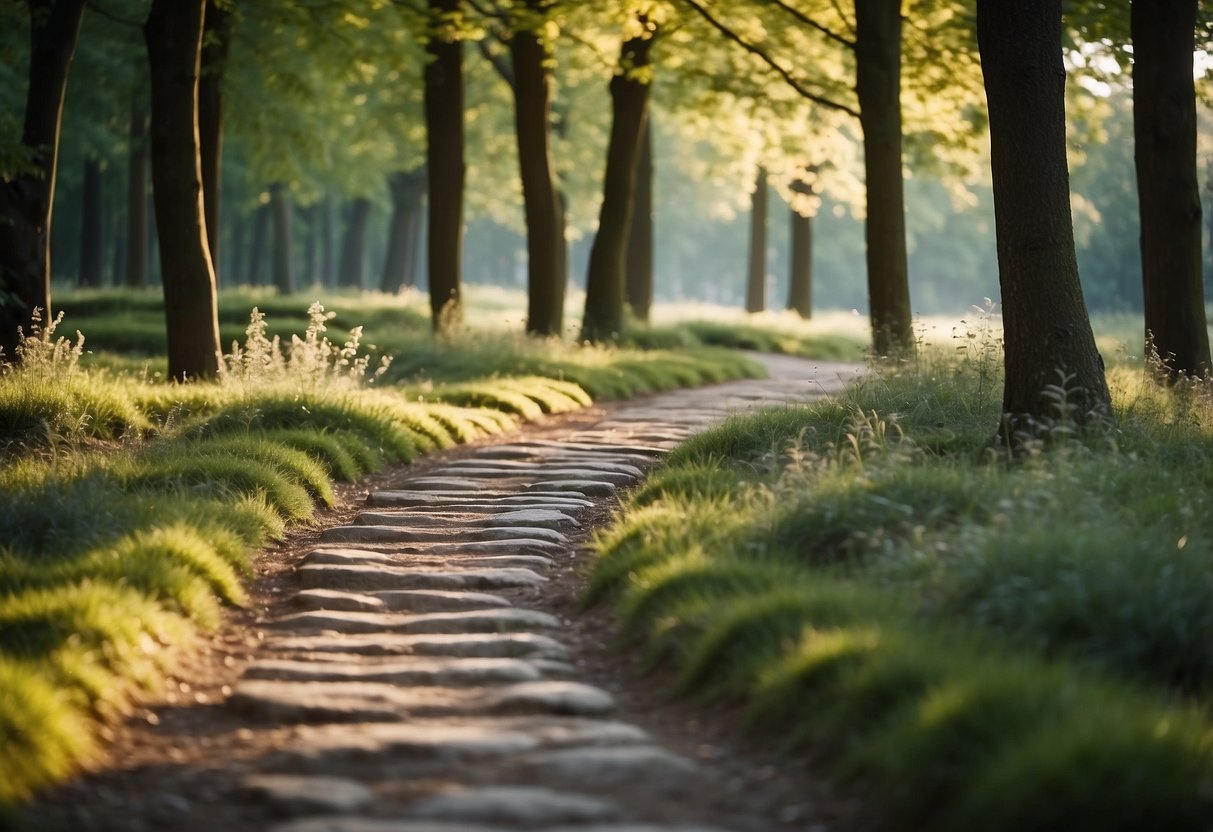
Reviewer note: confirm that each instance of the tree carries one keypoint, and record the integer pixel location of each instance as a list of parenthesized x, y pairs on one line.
[(92, 242), (443, 80), (353, 243), (27, 196), (1164, 126), (639, 282), (282, 212), (408, 193), (216, 45), (756, 283), (174, 43), (603, 317), (137, 243), (1048, 339), (800, 273)]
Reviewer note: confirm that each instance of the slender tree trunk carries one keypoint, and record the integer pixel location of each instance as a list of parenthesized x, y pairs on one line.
[(328, 241), (1164, 127), (408, 190), (353, 246), (756, 282), (26, 200), (236, 252), (878, 87), (800, 276), (92, 227), (174, 42), (532, 125), (562, 239), (310, 216), (603, 318), (137, 242), (118, 264), (444, 160), (638, 285), (216, 42), (284, 239), (1047, 333), (255, 274)]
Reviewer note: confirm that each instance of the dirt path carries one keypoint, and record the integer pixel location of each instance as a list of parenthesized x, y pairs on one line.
[(420, 665)]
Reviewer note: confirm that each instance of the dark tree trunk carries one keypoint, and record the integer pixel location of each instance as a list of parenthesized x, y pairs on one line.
[(444, 160), (118, 264), (26, 200), (562, 239), (137, 229), (532, 125), (756, 281), (638, 285), (878, 87), (92, 227), (284, 239), (174, 40), (603, 318), (255, 273), (800, 274), (236, 252), (353, 246), (328, 241), (1047, 333), (1164, 127), (310, 216), (216, 42), (408, 190)]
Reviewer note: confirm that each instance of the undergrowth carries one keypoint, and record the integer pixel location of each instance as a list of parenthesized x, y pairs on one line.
[(982, 640)]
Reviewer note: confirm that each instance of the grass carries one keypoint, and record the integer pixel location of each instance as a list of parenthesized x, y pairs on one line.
[(131, 510), (982, 642)]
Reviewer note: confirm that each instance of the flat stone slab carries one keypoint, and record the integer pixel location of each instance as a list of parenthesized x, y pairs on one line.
[(506, 619), (533, 518), (586, 474), (298, 794), (437, 600), (474, 556), (421, 671), (534, 541), (609, 766), (520, 468), (471, 645), (514, 806), (400, 530), (335, 599), (448, 484), (360, 577), (411, 498), (348, 823), (383, 702), (594, 488)]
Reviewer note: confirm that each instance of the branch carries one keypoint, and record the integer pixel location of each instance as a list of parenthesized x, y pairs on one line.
[(92, 4), (771, 62), (813, 24), (493, 14), (842, 16), (503, 69)]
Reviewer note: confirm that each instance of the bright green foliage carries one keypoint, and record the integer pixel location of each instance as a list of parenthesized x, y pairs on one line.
[(871, 576)]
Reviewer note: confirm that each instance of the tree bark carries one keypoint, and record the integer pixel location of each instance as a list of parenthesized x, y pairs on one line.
[(1164, 127), (603, 318), (756, 281), (408, 190), (353, 246), (283, 249), (310, 216), (878, 87), (236, 252), (530, 56), (638, 285), (800, 273), (27, 199), (444, 160), (137, 230), (216, 43), (1048, 339), (328, 241), (174, 41), (92, 227), (254, 274)]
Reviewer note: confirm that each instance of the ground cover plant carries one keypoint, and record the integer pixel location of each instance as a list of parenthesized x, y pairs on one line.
[(130, 509), (984, 640)]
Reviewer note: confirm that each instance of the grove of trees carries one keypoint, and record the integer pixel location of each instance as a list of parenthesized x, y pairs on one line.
[(303, 143)]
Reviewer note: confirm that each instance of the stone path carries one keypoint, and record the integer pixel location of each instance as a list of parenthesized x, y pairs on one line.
[(424, 688)]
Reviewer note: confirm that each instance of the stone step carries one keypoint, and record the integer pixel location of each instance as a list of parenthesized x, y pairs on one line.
[(467, 645), (505, 619), (418, 671), (354, 577), (400, 600), (370, 557)]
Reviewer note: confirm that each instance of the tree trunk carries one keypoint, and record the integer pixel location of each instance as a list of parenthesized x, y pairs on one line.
[(408, 190), (638, 285), (603, 318), (353, 246), (92, 227), (444, 160), (562, 239), (284, 239), (118, 264), (532, 124), (310, 216), (328, 241), (216, 42), (756, 282), (800, 275), (26, 200), (1047, 333), (255, 273), (878, 87), (137, 230), (1164, 127), (174, 40), (236, 252)]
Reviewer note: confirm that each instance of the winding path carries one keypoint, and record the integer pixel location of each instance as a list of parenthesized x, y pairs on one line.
[(426, 681)]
